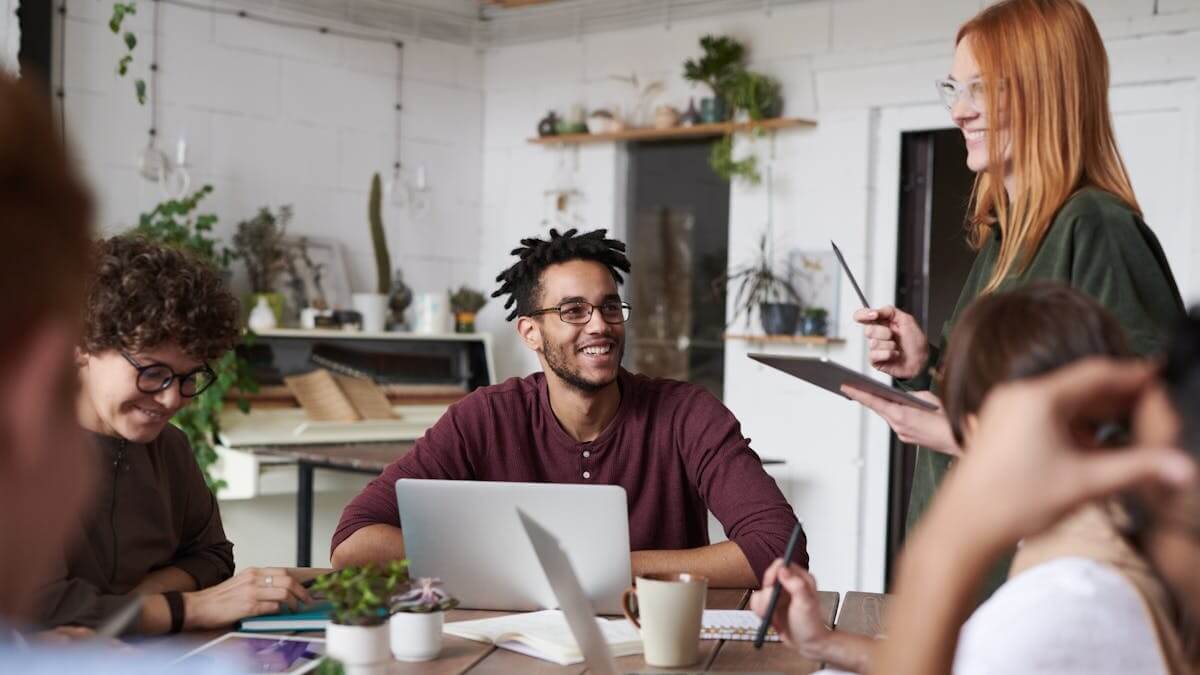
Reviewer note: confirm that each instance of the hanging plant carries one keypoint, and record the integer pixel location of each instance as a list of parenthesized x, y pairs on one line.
[(121, 10), (724, 165)]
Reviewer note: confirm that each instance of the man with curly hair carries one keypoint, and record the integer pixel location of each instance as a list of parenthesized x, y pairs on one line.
[(674, 448), (154, 319)]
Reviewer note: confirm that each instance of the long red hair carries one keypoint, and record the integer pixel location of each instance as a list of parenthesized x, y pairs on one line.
[(1045, 71)]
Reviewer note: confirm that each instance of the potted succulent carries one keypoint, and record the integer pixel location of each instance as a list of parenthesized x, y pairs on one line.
[(815, 321), (721, 61), (763, 286), (417, 617), (466, 303), (357, 634), (258, 242), (374, 306)]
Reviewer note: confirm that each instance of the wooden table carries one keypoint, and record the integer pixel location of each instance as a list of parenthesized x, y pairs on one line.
[(863, 613), (366, 458), (460, 655)]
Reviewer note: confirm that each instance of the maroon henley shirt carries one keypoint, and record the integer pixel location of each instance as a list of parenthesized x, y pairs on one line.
[(676, 450)]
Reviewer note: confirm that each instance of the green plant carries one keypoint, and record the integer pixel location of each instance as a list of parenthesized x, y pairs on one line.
[(259, 243), (721, 160), (758, 281), (383, 261), (176, 223), (359, 595), (426, 595), (816, 313), (466, 300), (759, 95), (722, 60), (120, 11)]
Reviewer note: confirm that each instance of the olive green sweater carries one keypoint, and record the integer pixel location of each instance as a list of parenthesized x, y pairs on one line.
[(1097, 245)]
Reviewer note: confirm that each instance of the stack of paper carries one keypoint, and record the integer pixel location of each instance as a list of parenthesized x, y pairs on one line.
[(546, 635)]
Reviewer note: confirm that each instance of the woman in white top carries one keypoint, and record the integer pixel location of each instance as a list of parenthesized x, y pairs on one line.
[(1080, 598)]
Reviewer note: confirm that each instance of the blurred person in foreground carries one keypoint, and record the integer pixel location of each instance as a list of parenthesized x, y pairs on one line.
[(47, 465), (1024, 445), (1088, 599)]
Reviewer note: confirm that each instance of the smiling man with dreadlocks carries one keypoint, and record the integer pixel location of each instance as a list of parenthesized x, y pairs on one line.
[(676, 450)]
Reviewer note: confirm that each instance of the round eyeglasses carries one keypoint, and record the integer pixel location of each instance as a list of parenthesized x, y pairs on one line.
[(950, 91), (155, 377), (579, 313)]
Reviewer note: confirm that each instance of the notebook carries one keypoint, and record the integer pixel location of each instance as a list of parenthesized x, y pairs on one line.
[(314, 618), (732, 624), (546, 635), (329, 397)]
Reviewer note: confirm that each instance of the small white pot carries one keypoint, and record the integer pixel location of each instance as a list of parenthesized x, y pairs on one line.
[(373, 307), (415, 636), (357, 645)]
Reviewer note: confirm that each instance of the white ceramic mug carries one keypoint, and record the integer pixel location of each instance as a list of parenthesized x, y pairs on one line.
[(669, 610), (431, 312)]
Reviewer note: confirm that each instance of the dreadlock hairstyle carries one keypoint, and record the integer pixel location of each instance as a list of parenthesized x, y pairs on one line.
[(521, 281)]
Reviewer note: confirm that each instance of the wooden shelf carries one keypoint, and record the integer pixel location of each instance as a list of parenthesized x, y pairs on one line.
[(696, 131), (811, 340)]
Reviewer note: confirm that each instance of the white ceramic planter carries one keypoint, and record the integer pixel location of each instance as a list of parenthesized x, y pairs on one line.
[(358, 646), (373, 307), (415, 636)]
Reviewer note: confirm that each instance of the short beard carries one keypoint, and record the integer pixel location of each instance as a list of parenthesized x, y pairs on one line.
[(557, 359)]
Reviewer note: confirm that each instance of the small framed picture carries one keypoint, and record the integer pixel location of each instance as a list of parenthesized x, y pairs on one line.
[(259, 653), (316, 271)]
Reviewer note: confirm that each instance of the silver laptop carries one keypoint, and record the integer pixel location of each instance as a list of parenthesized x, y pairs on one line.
[(578, 610), (468, 534)]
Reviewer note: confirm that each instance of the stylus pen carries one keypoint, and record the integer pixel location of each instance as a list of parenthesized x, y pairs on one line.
[(787, 560)]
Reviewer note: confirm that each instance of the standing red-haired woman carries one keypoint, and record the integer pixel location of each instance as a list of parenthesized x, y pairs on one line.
[(1052, 201)]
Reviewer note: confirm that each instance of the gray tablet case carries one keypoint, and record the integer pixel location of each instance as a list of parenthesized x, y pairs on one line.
[(831, 376)]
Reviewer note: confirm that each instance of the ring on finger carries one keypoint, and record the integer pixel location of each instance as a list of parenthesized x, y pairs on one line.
[(268, 581)]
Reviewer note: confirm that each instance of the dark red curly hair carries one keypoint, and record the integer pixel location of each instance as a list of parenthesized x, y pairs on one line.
[(142, 295)]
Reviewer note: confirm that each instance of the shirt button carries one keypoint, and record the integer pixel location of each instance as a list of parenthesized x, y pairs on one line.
[(586, 453), (587, 474)]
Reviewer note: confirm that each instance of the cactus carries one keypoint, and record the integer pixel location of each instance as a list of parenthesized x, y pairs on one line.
[(383, 261)]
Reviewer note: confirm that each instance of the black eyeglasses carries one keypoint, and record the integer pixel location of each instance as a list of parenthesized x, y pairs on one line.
[(579, 313), (156, 377)]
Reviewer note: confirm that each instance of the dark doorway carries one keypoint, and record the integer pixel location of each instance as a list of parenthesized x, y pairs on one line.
[(933, 260), (36, 57), (678, 244)]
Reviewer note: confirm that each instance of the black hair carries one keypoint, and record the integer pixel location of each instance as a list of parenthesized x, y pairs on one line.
[(1182, 376), (522, 281)]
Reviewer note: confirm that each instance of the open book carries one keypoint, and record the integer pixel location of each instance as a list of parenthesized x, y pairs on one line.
[(545, 635), (328, 397)]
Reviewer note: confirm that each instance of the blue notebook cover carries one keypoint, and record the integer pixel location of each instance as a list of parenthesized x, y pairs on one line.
[(313, 618)]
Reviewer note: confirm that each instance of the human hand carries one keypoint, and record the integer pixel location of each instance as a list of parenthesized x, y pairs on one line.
[(252, 592), (927, 428), (63, 635), (1026, 468), (896, 345), (797, 616)]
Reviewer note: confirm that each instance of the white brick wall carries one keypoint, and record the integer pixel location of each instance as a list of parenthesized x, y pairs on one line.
[(864, 69), (10, 35), (274, 116)]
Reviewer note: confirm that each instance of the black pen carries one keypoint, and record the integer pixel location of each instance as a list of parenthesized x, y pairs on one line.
[(787, 560)]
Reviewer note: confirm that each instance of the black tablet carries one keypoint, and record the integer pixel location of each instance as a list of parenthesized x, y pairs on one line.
[(831, 376)]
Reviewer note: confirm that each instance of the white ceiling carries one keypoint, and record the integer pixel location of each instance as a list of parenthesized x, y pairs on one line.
[(470, 22)]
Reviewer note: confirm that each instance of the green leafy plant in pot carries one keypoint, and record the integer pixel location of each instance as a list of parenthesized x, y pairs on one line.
[(815, 322), (466, 303), (357, 634), (259, 244), (417, 617), (178, 223), (762, 285), (722, 59)]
